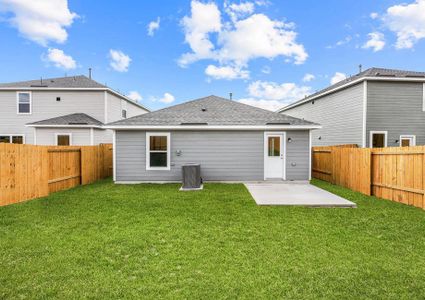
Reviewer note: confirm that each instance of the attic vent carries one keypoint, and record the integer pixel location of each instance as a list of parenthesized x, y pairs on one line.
[(385, 75), (38, 85), (188, 123), (415, 76), (78, 123), (278, 123)]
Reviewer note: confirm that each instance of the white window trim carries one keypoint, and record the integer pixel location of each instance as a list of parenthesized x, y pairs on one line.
[(371, 133), (12, 135), (17, 102), (266, 135), (148, 135), (70, 138), (408, 136)]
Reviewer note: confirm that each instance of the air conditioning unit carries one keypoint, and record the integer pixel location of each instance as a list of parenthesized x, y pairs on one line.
[(191, 177)]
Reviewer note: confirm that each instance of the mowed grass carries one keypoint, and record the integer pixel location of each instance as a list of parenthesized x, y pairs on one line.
[(152, 241)]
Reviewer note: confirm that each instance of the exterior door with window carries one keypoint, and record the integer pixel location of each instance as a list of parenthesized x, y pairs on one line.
[(274, 156)]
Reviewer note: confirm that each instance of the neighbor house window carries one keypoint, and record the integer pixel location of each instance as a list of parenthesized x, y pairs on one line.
[(123, 109), (12, 138), (158, 151), (63, 139), (24, 102), (407, 140), (378, 139)]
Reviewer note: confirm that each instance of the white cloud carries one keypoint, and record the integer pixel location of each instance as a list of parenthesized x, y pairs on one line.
[(342, 42), (119, 61), (167, 98), (374, 15), (226, 72), (266, 70), (338, 77), (308, 77), (285, 92), (60, 59), (40, 21), (153, 26), (236, 11), (407, 21), (239, 41), (134, 95), (376, 41), (272, 105)]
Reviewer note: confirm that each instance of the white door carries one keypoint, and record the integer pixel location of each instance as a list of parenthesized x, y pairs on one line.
[(274, 155)]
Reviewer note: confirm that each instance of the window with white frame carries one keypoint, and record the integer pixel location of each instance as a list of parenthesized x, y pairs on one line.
[(12, 138), (378, 139), (63, 139), (407, 140), (158, 151), (123, 109), (23, 102)]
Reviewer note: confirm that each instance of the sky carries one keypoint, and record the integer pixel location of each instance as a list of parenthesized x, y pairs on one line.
[(161, 53)]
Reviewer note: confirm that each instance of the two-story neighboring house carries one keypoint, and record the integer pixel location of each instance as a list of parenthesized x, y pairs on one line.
[(375, 108), (61, 111)]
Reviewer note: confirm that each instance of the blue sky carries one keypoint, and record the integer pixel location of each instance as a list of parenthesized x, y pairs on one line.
[(267, 53)]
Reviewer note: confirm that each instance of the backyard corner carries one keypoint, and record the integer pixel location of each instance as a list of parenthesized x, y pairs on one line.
[(131, 241)]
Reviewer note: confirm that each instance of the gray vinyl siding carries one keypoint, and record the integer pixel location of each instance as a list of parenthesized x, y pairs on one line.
[(396, 107), (340, 114), (224, 156), (45, 106), (79, 136), (114, 109), (102, 136), (297, 155)]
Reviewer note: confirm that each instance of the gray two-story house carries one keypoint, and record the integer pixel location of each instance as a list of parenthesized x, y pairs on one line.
[(375, 108), (61, 111)]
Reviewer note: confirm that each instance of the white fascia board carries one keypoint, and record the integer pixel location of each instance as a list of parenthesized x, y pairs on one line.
[(73, 89), (63, 126), (407, 79), (206, 127)]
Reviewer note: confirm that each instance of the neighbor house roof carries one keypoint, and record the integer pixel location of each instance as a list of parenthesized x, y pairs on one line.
[(71, 120), (369, 74), (79, 82), (209, 113)]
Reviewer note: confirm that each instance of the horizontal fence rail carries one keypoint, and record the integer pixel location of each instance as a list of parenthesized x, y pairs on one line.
[(28, 171), (394, 173)]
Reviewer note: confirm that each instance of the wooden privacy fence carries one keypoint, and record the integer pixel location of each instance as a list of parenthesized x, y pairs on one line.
[(395, 173), (28, 171)]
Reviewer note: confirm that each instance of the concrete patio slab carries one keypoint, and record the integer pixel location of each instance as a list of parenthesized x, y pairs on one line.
[(295, 194)]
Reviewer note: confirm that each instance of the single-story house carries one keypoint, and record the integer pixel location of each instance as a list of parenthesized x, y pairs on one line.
[(230, 140), (72, 129)]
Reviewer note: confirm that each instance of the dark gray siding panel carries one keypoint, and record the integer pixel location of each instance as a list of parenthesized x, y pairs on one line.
[(230, 155), (297, 155), (340, 114), (396, 107)]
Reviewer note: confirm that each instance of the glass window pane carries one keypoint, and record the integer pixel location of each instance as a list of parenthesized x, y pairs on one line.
[(274, 146), (63, 140), (158, 143), (17, 139), (24, 98), (24, 108), (405, 142), (378, 140), (4, 139), (158, 159)]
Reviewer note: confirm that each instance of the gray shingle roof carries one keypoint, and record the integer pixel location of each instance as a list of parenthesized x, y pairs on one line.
[(211, 110), (371, 72), (72, 119), (79, 81)]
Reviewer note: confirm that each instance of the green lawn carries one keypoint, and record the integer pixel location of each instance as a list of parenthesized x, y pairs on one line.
[(151, 241)]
